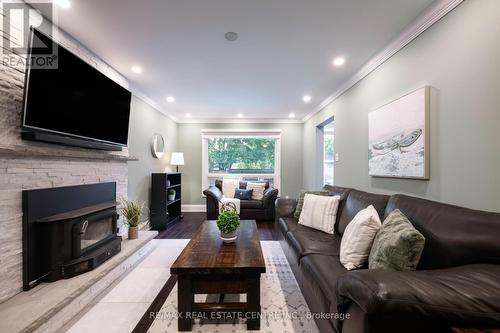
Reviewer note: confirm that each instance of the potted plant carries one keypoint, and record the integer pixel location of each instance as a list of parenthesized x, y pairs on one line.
[(171, 194), (132, 212), (228, 222)]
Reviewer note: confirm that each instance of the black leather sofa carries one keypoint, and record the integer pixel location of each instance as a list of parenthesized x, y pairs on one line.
[(457, 283), (249, 209)]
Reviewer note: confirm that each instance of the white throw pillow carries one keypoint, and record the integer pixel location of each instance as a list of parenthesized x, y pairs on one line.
[(229, 186), (319, 212), (358, 238), (258, 190)]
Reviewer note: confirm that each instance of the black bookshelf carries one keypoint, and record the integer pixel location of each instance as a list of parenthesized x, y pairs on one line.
[(164, 211)]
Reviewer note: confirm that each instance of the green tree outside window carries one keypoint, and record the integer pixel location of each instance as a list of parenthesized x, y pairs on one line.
[(241, 155)]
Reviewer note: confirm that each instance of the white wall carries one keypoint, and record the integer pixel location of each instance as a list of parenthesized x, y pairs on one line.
[(145, 121), (460, 58)]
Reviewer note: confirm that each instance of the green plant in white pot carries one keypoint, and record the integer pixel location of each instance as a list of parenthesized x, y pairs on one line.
[(228, 223), (132, 212), (171, 194)]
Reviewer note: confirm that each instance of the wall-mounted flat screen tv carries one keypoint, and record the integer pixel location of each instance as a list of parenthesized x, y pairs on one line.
[(74, 99)]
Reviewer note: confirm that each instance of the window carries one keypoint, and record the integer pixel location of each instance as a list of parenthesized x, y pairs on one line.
[(248, 155)]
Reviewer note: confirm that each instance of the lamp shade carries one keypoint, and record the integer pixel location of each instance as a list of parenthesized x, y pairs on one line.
[(177, 158)]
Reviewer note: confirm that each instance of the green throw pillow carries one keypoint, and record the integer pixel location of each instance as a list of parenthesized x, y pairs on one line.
[(397, 245), (300, 202)]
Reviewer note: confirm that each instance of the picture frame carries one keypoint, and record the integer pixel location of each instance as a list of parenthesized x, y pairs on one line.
[(399, 137)]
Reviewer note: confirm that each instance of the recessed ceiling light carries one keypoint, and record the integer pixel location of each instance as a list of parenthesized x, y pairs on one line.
[(136, 69), (240, 115), (188, 115), (291, 115), (231, 36), (170, 99), (306, 99), (337, 62), (63, 3)]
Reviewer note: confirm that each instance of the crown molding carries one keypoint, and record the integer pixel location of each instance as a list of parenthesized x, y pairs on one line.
[(424, 21)]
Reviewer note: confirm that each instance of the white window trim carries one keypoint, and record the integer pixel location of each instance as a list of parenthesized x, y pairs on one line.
[(242, 133)]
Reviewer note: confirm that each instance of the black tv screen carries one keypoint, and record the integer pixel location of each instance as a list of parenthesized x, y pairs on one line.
[(75, 99)]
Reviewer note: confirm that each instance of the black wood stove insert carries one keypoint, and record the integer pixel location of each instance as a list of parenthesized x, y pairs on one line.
[(68, 231)]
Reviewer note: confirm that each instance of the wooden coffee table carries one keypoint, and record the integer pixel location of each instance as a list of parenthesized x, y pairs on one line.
[(208, 266)]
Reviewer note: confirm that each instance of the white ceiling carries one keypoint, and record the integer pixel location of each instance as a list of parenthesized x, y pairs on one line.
[(284, 51)]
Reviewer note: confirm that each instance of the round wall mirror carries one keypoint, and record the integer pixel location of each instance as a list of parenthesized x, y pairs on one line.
[(157, 145)]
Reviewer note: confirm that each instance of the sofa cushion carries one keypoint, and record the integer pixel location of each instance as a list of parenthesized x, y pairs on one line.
[(300, 201), (322, 271), (358, 238), (258, 190), (453, 235), (243, 194), (356, 201), (398, 245), (243, 184), (320, 212), (306, 241), (251, 204), (464, 295)]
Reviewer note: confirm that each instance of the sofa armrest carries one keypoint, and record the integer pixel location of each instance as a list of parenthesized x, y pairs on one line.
[(270, 196), (213, 196), (460, 295), (285, 207), (214, 193)]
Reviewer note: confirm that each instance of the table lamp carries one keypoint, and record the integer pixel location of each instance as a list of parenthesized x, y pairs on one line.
[(177, 159)]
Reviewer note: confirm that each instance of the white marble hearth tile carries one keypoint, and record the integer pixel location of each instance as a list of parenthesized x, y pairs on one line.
[(50, 305), (172, 242), (162, 256), (110, 318), (141, 285)]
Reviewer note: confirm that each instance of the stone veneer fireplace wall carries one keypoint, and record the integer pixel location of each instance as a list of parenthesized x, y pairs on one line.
[(26, 165)]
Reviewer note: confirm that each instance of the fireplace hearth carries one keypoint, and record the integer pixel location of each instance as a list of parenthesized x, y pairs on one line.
[(68, 231)]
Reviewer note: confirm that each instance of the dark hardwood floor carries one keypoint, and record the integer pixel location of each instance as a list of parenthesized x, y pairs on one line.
[(185, 228)]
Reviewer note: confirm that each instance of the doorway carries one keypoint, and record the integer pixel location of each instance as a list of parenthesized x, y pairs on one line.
[(328, 154), (326, 150)]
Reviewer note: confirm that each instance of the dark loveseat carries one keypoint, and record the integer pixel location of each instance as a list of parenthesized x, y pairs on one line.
[(457, 283), (249, 209)]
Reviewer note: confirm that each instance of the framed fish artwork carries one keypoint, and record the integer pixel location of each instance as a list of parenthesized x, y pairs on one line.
[(398, 135)]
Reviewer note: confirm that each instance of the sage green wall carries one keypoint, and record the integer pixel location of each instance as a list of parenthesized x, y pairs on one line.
[(144, 122), (460, 58), (189, 142)]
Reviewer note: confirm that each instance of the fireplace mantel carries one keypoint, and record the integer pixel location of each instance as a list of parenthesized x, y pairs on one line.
[(50, 151)]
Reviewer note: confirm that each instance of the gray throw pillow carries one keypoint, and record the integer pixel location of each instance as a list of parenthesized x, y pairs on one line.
[(300, 202), (243, 194), (397, 246)]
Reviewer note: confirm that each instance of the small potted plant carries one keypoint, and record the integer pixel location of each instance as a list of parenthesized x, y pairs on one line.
[(171, 194), (132, 212), (228, 222)]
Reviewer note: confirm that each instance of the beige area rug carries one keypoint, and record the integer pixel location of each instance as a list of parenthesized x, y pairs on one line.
[(284, 309)]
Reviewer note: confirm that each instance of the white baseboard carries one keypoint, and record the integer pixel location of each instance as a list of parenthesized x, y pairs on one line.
[(194, 208)]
